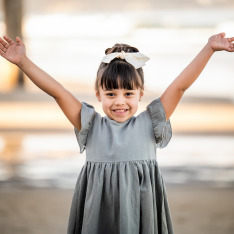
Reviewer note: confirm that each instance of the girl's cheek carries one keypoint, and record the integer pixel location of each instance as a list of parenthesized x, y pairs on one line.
[(135, 101), (105, 104)]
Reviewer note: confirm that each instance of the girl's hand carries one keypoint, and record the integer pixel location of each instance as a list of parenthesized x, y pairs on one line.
[(218, 42), (11, 50)]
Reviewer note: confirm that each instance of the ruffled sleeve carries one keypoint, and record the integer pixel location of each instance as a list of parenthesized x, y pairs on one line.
[(161, 127), (87, 115)]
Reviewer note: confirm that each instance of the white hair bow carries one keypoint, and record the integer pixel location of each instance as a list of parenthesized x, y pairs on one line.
[(137, 59)]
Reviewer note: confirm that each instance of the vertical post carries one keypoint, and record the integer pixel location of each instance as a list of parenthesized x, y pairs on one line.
[(13, 10)]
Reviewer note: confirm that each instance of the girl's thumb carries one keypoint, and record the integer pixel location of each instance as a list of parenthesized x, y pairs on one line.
[(18, 40), (222, 34)]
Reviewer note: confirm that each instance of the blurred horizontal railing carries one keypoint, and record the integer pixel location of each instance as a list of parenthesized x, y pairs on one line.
[(32, 112)]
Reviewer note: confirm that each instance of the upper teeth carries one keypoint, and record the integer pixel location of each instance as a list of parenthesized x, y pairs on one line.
[(120, 110)]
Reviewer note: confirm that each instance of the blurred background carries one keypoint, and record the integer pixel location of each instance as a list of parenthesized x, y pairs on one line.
[(39, 154)]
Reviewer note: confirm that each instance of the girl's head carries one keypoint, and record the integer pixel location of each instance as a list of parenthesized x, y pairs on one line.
[(119, 85), (119, 74)]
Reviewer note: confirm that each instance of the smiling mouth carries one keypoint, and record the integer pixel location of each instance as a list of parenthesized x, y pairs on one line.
[(120, 111)]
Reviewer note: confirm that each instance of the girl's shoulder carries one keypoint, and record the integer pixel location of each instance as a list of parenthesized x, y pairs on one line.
[(154, 110), (161, 126)]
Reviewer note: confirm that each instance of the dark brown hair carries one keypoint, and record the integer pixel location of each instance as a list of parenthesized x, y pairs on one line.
[(119, 74)]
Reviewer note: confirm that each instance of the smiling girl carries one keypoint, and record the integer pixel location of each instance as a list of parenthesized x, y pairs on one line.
[(120, 189)]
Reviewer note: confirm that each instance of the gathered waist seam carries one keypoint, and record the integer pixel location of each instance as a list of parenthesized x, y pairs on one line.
[(129, 161)]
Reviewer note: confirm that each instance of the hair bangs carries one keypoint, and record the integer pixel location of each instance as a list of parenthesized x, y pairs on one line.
[(120, 75)]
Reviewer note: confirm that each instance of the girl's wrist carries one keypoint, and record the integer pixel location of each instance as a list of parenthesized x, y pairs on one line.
[(209, 48), (23, 60)]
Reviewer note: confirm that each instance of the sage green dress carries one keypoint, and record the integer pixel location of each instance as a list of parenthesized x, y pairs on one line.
[(120, 189)]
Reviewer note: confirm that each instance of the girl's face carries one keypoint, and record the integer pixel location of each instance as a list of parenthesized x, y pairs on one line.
[(119, 104)]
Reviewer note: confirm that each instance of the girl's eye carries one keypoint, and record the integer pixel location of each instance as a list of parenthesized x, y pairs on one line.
[(110, 94), (129, 94)]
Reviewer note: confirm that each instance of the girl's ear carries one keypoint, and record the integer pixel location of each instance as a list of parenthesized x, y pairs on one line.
[(141, 94), (98, 96)]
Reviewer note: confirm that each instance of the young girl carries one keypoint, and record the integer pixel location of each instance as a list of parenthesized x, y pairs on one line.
[(120, 188)]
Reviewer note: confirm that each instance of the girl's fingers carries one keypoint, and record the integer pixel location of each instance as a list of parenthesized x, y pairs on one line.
[(18, 39), (3, 48), (230, 47), (222, 34), (2, 54), (5, 44), (9, 40), (231, 39)]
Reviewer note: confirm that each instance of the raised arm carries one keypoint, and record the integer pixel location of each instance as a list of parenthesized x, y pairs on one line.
[(15, 53), (172, 95)]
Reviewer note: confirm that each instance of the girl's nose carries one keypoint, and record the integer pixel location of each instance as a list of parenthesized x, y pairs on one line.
[(119, 100)]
